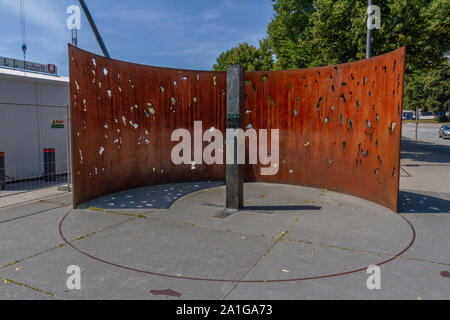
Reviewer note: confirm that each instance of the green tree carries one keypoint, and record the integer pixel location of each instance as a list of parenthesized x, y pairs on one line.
[(428, 90), (337, 31), (305, 33), (250, 57), (414, 92), (288, 35), (309, 33), (436, 87), (266, 55)]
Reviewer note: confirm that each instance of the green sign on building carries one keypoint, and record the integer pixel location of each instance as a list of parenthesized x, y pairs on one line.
[(57, 124)]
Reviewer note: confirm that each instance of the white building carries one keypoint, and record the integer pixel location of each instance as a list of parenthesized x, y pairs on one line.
[(33, 116)]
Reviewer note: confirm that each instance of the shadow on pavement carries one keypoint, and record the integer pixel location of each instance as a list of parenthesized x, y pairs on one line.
[(151, 197), (426, 202), (426, 152), (280, 208)]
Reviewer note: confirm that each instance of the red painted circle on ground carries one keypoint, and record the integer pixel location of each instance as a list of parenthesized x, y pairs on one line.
[(237, 281)]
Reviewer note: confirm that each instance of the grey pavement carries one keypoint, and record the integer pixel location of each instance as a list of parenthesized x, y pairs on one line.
[(13, 188), (126, 249), (427, 132)]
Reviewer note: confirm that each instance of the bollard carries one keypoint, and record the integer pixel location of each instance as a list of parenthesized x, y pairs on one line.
[(49, 164), (2, 171)]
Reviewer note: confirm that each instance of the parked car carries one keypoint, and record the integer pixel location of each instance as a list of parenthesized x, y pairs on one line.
[(408, 115), (427, 116), (444, 131)]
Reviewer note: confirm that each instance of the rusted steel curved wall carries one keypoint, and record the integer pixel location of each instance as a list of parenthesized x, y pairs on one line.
[(123, 115), (339, 125)]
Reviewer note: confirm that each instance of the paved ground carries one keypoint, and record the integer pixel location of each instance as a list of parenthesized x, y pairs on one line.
[(428, 132), (25, 186), (12, 200), (283, 233)]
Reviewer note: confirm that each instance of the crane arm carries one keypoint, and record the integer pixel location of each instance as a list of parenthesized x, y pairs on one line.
[(94, 29)]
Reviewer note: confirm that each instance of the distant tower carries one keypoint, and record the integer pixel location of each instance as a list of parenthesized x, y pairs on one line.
[(22, 25), (24, 49), (75, 37)]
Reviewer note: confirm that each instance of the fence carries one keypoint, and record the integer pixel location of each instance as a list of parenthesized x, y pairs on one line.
[(33, 147)]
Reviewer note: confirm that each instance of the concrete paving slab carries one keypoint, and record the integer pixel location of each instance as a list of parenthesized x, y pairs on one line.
[(25, 197), (293, 260), (27, 210), (400, 279), (165, 247), (319, 223), (432, 237), (59, 199), (101, 281), (282, 232), (202, 208), (15, 291), (85, 222), (33, 234), (424, 167), (27, 236), (362, 229)]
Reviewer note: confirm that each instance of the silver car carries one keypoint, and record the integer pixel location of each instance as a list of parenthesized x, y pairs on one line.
[(444, 131)]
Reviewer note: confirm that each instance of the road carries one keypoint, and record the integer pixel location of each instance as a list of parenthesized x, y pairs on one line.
[(428, 132)]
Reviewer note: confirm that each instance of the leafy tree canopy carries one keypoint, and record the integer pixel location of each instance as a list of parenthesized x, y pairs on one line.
[(428, 90), (309, 33), (436, 87), (250, 57)]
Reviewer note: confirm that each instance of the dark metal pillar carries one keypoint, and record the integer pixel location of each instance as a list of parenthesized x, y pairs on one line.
[(235, 111)]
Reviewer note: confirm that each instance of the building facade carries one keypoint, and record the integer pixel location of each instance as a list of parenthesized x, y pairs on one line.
[(33, 117)]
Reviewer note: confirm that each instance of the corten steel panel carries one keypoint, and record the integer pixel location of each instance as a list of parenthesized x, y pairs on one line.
[(121, 143), (340, 126)]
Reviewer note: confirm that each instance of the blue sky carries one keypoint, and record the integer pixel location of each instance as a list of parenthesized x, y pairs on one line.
[(186, 34)]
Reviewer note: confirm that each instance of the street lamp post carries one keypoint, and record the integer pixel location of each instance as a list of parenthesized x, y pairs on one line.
[(448, 105), (417, 121), (369, 32)]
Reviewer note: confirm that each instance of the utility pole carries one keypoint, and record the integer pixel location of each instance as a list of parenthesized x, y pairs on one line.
[(69, 150), (448, 105), (369, 32), (417, 121), (23, 27)]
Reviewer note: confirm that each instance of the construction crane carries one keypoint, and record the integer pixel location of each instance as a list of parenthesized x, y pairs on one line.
[(74, 31), (23, 31), (94, 29)]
